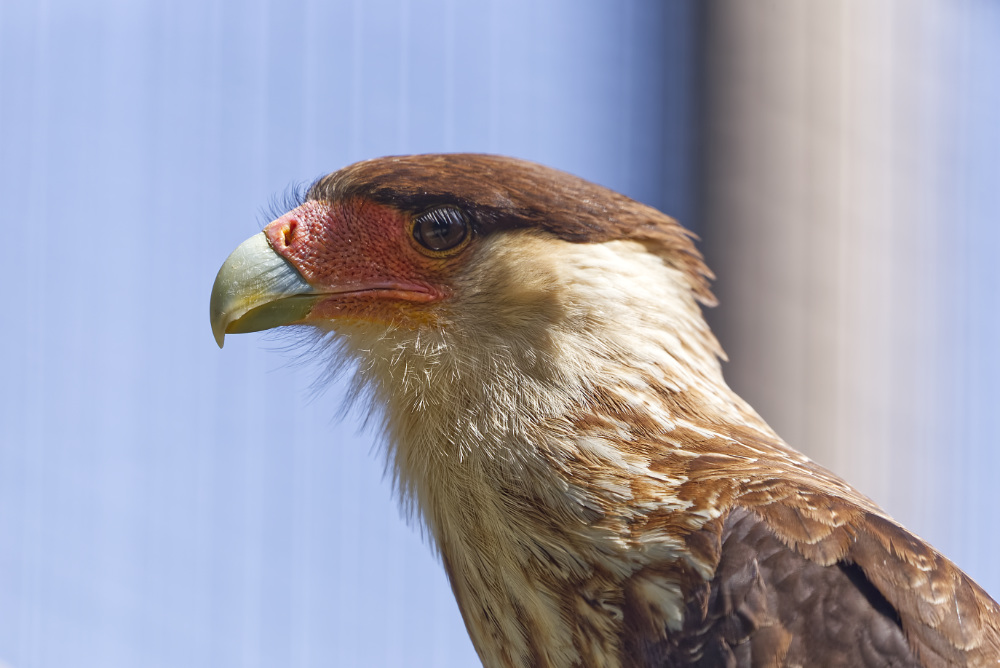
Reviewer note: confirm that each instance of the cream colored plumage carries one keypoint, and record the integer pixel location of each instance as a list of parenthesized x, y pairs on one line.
[(556, 413)]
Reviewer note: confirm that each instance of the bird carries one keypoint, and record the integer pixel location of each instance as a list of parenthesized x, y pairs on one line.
[(555, 413)]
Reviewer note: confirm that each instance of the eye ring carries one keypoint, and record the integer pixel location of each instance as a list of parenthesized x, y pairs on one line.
[(442, 228)]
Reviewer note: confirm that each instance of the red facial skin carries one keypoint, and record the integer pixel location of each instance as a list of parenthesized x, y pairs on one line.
[(363, 255)]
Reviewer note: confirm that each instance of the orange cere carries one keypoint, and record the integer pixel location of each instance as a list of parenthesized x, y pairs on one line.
[(362, 255)]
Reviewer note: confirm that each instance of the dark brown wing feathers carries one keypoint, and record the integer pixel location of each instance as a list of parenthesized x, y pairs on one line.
[(769, 605), (947, 618), (806, 570), (809, 572)]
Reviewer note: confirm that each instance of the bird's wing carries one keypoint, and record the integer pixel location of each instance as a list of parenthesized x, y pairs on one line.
[(767, 605), (892, 580), (806, 571)]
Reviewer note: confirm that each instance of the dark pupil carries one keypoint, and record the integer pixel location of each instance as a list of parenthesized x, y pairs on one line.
[(440, 229)]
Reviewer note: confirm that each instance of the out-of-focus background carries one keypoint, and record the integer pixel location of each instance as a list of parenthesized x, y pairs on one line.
[(165, 503)]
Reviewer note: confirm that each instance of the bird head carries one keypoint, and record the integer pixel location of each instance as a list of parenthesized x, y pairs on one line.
[(479, 288), (490, 308), (404, 243)]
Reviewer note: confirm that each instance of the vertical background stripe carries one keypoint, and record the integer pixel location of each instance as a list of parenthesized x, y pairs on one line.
[(851, 196)]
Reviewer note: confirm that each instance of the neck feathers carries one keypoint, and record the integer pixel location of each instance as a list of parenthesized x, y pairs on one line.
[(540, 335), (511, 424)]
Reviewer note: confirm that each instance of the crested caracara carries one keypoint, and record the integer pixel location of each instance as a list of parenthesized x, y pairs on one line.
[(555, 408)]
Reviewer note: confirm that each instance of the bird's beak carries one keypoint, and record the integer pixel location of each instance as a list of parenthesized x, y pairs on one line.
[(258, 289)]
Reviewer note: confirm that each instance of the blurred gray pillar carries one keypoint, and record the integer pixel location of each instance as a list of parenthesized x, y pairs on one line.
[(829, 211)]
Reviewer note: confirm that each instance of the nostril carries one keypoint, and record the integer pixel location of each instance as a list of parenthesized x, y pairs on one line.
[(288, 234)]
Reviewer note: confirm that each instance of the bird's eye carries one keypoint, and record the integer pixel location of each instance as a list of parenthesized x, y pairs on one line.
[(441, 229)]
